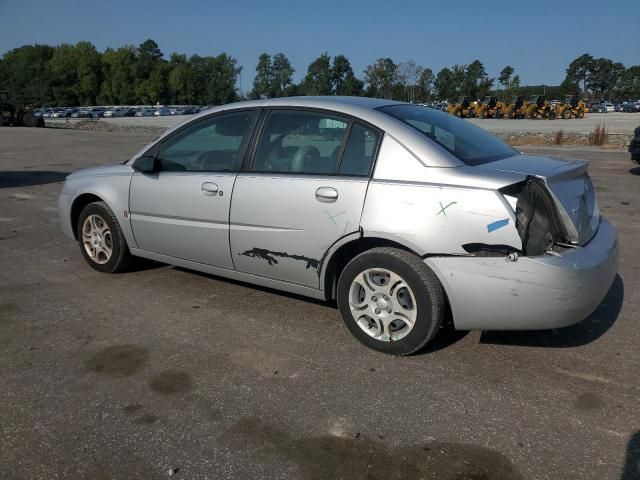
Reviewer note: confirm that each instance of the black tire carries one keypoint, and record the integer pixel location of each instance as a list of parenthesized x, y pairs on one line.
[(499, 113), (635, 158), (426, 288), (551, 115), (29, 120), (580, 114), (566, 114), (120, 259)]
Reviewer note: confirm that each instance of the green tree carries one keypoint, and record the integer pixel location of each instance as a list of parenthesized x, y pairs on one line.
[(509, 82), (76, 73), (262, 82), (381, 78), (118, 76), (25, 72), (281, 76), (476, 82), (221, 75), (64, 75), (318, 78), (343, 80), (426, 85), (180, 79), (578, 72), (629, 86), (444, 85), (604, 76)]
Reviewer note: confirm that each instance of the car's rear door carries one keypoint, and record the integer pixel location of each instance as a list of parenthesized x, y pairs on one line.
[(303, 190), (182, 210)]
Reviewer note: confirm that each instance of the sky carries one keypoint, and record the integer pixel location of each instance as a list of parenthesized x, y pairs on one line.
[(538, 38)]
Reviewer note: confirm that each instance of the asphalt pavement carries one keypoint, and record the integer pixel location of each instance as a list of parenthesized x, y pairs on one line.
[(166, 372)]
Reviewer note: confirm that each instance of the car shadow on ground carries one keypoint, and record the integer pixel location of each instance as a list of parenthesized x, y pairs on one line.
[(29, 179), (631, 468), (635, 171), (582, 333)]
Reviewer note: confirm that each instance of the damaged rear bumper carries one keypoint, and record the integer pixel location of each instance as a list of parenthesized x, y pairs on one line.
[(532, 293)]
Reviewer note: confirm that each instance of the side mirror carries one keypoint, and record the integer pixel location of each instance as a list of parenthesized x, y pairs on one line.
[(146, 164)]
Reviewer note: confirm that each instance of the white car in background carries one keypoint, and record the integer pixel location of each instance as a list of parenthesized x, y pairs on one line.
[(146, 112), (114, 112), (609, 107)]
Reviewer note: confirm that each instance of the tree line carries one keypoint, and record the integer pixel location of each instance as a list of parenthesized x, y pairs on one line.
[(81, 75)]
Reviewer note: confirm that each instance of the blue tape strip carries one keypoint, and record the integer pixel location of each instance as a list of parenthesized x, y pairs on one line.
[(497, 224)]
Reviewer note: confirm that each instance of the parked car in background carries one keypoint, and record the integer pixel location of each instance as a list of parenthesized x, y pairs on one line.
[(597, 108), (627, 107), (402, 214), (162, 112), (115, 112), (97, 112), (81, 113), (609, 107), (145, 112)]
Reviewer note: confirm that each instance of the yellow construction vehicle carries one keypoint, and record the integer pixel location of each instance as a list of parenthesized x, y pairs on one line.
[(460, 109), (514, 109), (571, 107), (538, 107), (17, 115), (488, 107)]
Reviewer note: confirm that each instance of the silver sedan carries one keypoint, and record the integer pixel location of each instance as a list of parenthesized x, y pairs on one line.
[(399, 213)]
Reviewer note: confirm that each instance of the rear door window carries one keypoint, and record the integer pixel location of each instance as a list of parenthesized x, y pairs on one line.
[(359, 151), (301, 142)]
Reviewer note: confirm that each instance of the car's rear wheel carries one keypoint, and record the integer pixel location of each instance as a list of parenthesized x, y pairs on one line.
[(390, 300), (101, 239)]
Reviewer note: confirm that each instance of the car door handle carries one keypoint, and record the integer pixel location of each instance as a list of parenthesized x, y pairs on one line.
[(209, 188), (327, 194)]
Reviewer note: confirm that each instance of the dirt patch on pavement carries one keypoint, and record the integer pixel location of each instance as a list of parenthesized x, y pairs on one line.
[(171, 381), (356, 457), (118, 360)]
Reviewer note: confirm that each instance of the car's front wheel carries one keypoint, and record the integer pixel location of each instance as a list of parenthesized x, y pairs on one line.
[(390, 300), (101, 239)]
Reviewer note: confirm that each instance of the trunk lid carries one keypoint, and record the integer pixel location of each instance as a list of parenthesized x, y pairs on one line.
[(569, 185)]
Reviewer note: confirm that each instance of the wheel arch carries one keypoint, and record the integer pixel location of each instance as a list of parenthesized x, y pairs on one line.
[(78, 204), (338, 259)]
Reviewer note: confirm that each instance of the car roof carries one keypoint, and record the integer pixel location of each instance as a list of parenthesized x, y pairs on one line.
[(364, 108)]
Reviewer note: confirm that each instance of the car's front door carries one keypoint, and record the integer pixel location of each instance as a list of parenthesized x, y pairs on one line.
[(304, 189), (182, 209)]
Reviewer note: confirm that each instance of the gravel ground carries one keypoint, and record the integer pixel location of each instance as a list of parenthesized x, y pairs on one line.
[(616, 123), (165, 371)]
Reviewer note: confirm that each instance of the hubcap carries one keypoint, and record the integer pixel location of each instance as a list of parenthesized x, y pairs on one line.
[(97, 239), (382, 304)]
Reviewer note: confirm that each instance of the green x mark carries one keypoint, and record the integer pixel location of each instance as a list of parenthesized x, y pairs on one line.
[(442, 209)]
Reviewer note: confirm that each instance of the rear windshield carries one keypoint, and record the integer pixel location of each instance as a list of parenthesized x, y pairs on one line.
[(470, 144)]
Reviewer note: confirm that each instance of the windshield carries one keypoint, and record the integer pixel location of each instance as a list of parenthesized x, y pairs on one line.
[(470, 144)]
